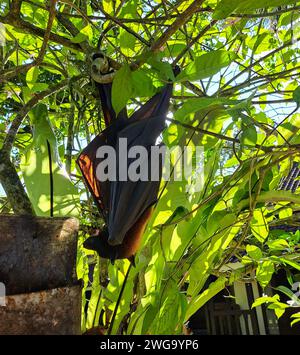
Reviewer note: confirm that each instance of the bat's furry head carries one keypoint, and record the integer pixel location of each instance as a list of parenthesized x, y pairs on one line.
[(100, 244), (100, 69)]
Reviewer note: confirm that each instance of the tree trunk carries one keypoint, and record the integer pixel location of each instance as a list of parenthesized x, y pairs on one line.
[(38, 270)]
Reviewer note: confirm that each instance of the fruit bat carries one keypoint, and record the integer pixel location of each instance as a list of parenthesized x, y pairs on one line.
[(126, 206)]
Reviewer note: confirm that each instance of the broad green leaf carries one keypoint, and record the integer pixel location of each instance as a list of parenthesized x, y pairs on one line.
[(124, 306), (291, 294), (254, 252), (80, 37), (285, 213), (137, 320), (169, 311), (36, 171), (196, 104), (207, 65), (261, 43), (31, 76), (265, 299), (31, 80), (259, 226), (213, 241), (296, 95), (85, 34), (122, 88), (129, 9), (39, 87), (279, 308), (249, 136), (278, 244), (288, 18), (286, 260), (213, 289), (164, 69), (127, 40), (142, 84), (108, 6), (264, 273)]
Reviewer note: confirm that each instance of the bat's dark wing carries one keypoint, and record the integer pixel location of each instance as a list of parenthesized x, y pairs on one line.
[(106, 103), (88, 160), (128, 199), (87, 164), (156, 106), (125, 203)]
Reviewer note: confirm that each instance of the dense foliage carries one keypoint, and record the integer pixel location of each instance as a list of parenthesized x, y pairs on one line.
[(237, 96)]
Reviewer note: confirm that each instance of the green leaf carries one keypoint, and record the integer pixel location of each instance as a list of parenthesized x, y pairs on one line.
[(264, 272), (279, 308), (278, 244), (122, 88), (288, 293), (116, 276), (213, 289), (296, 95), (259, 226), (249, 136), (297, 318), (39, 87), (265, 299), (207, 65), (36, 172), (31, 76), (286, 212), (164, 69), (142, 84), (80, 37), (254, 252), (96, 302), (108, 6), (169, 312), (292, 263), (194, 105), (129, 9), (224, 9), (127, 40), (85, 34)]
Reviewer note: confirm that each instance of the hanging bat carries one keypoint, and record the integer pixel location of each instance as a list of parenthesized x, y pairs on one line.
[(126, 206)]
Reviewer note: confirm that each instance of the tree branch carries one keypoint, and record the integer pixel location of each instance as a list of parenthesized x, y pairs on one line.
[(126, 28), (10, 73), (27, 27), (288, 43), (193, 41), (179, 22), (161, 41), (9, 177), (16, 123), (15, 192)]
